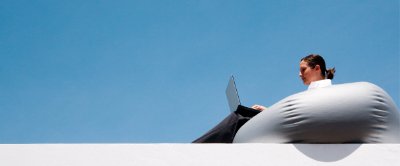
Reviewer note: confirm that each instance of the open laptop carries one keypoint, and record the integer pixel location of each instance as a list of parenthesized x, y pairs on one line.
[(234, 101), (232, 94)]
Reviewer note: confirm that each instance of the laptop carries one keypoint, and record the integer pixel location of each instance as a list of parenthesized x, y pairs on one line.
[(234, 101), (232, 94)]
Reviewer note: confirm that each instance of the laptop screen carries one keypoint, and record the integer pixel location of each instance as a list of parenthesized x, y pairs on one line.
[(232, 95)]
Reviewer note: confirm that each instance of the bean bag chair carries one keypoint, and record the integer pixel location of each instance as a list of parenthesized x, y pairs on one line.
[(358, 112)]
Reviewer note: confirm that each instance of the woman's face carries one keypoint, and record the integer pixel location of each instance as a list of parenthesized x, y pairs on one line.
[(308, 74)]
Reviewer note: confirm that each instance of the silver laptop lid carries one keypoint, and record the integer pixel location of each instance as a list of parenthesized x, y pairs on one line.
[(232, 95)]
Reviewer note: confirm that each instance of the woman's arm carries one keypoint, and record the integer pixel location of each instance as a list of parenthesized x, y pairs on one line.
[(259, 107)]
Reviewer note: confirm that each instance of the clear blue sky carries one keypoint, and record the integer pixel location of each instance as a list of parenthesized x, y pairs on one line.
[(153, 71)]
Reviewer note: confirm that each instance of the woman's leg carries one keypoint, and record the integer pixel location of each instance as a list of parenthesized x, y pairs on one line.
[(226, 130)]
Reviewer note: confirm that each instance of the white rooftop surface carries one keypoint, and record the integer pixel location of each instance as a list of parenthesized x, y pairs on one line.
[(198, 154)]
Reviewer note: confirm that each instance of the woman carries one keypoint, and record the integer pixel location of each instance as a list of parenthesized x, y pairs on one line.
[(313, 73)]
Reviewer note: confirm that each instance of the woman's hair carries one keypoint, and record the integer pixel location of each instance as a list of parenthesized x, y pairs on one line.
[(315, 59)]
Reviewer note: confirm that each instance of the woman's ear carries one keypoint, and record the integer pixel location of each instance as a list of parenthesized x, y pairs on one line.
[(317, 67)]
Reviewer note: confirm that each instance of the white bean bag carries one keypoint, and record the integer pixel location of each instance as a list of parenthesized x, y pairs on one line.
[(346, 113)]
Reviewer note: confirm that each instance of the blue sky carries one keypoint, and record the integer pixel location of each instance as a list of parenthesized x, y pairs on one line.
[(127, 71)]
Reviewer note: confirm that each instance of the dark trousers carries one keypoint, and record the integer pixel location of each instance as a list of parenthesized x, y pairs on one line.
[(226, 130)]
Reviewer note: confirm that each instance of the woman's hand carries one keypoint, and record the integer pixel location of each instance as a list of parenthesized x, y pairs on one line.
[(259, 107)]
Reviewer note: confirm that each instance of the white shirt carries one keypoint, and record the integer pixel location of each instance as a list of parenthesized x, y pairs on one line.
[(320, 84)]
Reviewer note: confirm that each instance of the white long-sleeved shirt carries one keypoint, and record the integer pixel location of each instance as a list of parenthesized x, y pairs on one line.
[(320, 84)]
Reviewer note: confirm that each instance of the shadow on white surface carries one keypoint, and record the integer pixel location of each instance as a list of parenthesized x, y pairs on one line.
[(327, 152)]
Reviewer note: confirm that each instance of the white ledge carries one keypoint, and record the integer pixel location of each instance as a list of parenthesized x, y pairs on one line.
[(198, 154)]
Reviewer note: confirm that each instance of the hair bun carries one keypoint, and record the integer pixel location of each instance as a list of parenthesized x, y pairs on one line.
[(330, 73)]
